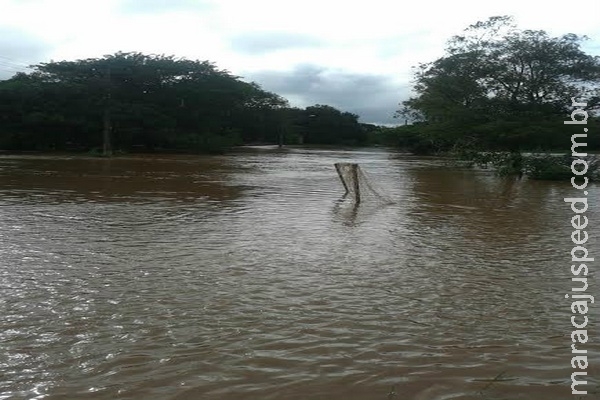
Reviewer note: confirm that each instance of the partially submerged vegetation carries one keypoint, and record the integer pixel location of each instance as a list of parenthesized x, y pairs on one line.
[(538, 166)]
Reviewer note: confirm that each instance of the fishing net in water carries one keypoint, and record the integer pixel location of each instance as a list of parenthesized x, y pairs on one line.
[(358, 185)]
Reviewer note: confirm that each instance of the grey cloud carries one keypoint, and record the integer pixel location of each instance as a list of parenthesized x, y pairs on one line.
[(374, 98), (265, 42), (18, 50), (159, 6)]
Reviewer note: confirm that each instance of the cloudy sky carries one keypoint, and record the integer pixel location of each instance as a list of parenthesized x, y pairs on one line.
[(353, 55)]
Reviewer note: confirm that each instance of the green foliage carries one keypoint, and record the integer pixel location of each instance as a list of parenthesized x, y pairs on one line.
[(140, 102), (322, 124), (419, 138), (504, 163), (207, 142), (147, 101), (539, 166), (500, 88), (547, 167)]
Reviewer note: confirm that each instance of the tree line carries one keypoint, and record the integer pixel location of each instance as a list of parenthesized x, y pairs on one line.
[(496, 88), (139, 102)]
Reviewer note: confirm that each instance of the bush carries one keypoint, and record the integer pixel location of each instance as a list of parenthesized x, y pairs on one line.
[(549, 167), (504, 163), (534, 166)]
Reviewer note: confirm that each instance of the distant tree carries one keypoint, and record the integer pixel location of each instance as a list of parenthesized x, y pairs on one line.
[(138, 102), (152, 101), (323, 124)]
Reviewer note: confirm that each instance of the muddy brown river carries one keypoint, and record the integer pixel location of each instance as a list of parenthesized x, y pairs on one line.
[(247, 276)]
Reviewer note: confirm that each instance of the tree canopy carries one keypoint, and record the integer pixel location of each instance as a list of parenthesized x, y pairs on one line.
[(133, 101), (499, 87)]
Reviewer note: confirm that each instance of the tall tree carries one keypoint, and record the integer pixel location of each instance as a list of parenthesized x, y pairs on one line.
[(133, 99), (497, 85)]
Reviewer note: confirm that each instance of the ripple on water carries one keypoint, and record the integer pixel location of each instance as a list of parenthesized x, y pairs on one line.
[(248, 276)]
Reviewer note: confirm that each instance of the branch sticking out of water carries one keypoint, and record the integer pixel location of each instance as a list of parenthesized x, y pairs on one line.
[(497, 378), (392, 394)]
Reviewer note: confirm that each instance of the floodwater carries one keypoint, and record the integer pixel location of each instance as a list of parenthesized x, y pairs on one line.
[(247, 276)]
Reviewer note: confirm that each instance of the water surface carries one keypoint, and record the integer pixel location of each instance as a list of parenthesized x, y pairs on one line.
[(247, 276)]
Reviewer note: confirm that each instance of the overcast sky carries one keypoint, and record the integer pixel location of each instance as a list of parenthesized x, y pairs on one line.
[(353, 55)]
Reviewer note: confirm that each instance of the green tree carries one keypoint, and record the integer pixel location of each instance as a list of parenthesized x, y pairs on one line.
[(504, 88), (130, 100), (323, 124)]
